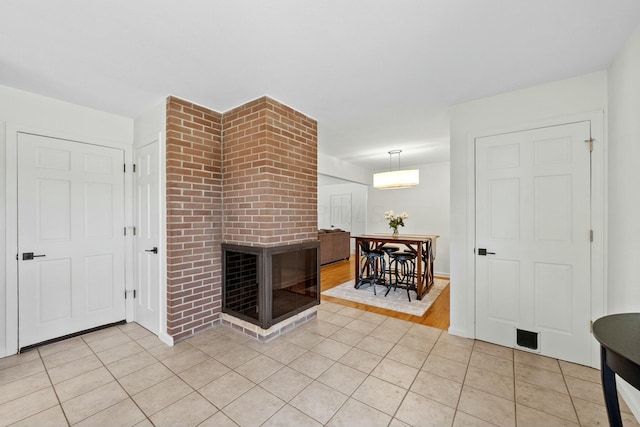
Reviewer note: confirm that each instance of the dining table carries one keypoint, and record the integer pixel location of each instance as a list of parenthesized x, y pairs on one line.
[(423, 246)]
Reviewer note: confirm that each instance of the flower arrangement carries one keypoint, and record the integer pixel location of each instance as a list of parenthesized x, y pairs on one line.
[(395, 221)]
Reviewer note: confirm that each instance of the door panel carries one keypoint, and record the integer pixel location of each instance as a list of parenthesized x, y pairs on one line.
[(70, 206), (533, 213), (147, 214)]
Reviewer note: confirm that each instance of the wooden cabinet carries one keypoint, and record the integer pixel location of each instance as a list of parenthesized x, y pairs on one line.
[(335, 245)]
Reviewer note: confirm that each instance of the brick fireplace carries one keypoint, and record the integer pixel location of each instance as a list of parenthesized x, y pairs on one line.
[(247, 177)]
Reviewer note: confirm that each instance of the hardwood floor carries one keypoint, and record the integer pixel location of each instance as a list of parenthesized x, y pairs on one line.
[(339, 272)]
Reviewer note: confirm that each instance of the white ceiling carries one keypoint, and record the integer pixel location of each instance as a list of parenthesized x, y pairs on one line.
[(376, 74)]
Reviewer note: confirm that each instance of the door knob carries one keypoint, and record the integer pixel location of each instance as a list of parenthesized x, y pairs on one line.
[(26, 256), (483, 252), (154, 250)]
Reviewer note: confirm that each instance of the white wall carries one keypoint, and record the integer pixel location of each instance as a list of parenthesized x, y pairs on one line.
[(623, 277), (26, 111), (337, 168), (358, 206), (427, 205), (532, 106)]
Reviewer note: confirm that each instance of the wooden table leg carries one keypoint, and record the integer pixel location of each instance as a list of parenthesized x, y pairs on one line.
[(357, 264), (421, 288), (610, 391)]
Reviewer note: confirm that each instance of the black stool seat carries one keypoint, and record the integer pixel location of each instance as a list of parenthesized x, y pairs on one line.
[(372, 269), (390, 267), (405, 272)]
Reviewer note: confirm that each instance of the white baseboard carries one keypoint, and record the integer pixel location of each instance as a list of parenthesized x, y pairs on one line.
[(459, 332), (630, 395), (167, 339)]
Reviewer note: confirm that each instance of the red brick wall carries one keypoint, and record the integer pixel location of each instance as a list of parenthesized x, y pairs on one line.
[(262, 181), (194, 212), (270, 179)]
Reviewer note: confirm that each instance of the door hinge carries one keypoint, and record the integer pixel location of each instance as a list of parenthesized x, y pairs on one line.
[(124, 168), (591, 326), (133, 230), (126, 293), (134, 167), (590, 141), (591, 235)]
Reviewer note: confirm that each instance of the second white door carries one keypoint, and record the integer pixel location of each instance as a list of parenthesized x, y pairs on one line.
[(533, 254)]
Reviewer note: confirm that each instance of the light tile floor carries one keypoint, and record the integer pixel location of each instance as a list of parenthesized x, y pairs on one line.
[(346, 368)]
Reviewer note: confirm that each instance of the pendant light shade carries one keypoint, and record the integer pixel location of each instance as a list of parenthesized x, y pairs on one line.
[(397, 178)]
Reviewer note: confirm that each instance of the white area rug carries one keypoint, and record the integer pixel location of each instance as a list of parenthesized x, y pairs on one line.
[(396, 301)]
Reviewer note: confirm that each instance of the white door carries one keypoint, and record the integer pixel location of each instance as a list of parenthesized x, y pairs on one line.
[(147, 273), (71, 219), (533, 220), (341, 211)]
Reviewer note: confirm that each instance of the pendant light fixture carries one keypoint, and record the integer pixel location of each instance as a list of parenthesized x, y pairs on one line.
[(396, 178)]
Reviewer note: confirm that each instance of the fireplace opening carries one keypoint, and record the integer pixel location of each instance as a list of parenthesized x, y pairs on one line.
[(265, 286)]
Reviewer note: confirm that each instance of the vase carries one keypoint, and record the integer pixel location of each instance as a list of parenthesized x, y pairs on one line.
[(395, 232)]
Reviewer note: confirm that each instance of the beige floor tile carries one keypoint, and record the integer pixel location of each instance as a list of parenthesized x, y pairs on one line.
[(445, 368), (400, 325), (407, 356), (437, 388), (161, 395), (417, 410), (361, 360), (487, 407), (203, 373), (545, 400), (455, 340), (591, 414), (387, 333), (579, 371), (418, 342), (150, 342), (130, 364), (92, 402), (541, 377), (451, 352), (490, 382), (63, 357), (52, 417), (109, 342), (529, 417), (536, 360), (342, 378), (397, 423), (262, 403), (350, 312), (425, 331), (26, 406), (335, 318), (319, 401), (236, 356), (375, 318), (311, 364), (259, 368), (82, 384), (144, 378), (375, 345), (331, 349), (219, 419), (72, 369), (380, 394), (330, 306), (226, 389), (285, 352), (22, 370), (395, 373), (304, 339), (491, 363), (191, 410), (494, 350), (324, 329), (185, 360), (24, 386), (101, 334), (286, 383), (355, 413), (585, 390), (124, 413), (119, 352), (17, 359), (135, 331), (348, 336), (163, 351), (361, 326), (70, 344), (144, 423), (465, 420), (289, 416)]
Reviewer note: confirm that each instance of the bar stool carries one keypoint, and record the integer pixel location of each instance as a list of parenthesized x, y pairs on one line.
[(405, 263), (372, 269), (389, 250)]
